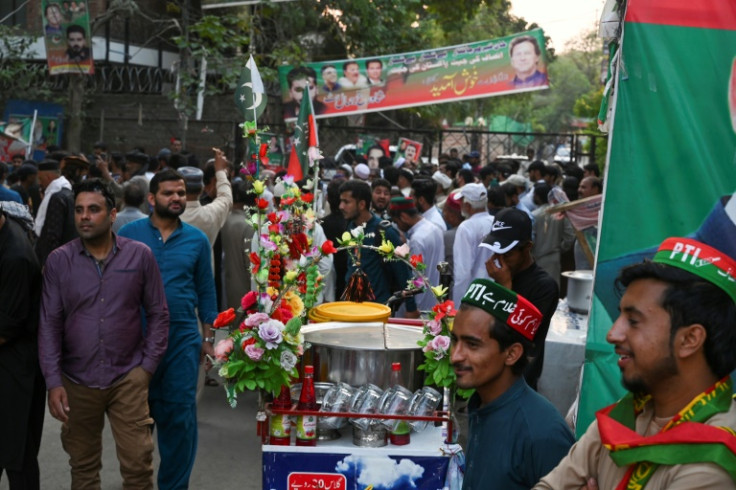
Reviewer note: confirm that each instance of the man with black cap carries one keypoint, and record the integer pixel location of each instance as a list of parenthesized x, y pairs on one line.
[(136, 163), (58, 223), (515, 435), (675, 335), (512, 265), (469, 259)]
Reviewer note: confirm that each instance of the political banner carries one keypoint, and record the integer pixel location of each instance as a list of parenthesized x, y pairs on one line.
[(67, 37), (512, 64), (671, 161)]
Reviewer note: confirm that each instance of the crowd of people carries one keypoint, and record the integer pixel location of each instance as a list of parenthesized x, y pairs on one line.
[(87, 242)]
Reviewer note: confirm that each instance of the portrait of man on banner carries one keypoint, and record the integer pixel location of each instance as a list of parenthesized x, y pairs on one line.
[(408, 153), (67, 37)]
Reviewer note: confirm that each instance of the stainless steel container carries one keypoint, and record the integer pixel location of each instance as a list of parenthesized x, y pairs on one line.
[(359, 353), (579, 290)]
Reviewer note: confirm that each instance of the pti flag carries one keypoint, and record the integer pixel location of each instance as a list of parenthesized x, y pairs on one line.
[(250, 96), (673, 120), (304, 139)]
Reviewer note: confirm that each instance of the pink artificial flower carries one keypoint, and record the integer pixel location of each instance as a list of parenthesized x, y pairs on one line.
[(223, 349), (256, 319), (441, 343), (434, 327), (402, 251), (255, 353)]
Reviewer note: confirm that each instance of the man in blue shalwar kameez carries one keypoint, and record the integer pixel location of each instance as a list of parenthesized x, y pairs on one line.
[(183, 255)]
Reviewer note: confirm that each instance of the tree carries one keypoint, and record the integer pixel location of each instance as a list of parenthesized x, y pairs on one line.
[(20, 79)]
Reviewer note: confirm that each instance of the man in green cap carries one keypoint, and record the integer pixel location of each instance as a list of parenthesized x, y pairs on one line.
[(515, 435), (676, 341)]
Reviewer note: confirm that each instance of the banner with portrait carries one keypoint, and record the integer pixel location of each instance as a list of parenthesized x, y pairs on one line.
[(671, 161), (511, 64), (67, 37)]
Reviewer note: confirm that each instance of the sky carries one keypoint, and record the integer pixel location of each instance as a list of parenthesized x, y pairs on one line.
[(561, 20)]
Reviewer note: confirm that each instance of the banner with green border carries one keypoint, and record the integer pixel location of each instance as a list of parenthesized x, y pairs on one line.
[(449, 74)]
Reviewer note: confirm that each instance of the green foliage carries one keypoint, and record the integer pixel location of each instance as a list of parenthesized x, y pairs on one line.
[(220, 41), (20, 79), (588, 105)]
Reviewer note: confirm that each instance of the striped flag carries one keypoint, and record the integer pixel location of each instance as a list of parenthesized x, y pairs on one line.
[(304, 139)]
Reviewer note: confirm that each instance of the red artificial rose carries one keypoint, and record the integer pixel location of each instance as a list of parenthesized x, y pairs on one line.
[(273, 218), (307, 197), (224, 318), (282, 314), (328, 248), (243, 327), (288, 201), (248, 300), (415, 260), (444, 309), (261, 203), (256, 261), (263, 150), (274, 229)]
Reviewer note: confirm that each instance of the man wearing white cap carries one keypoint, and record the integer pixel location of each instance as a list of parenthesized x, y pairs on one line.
[(469, 258)]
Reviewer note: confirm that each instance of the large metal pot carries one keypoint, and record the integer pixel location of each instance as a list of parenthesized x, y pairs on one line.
[(359, 353), (579, 290)]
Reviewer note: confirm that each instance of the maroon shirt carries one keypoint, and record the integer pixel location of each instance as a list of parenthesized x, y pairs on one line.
[(91, 326)]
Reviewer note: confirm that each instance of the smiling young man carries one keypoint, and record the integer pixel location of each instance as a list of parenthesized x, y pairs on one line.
[(183, 254), (676, 341), (94, 352), (515, 435)]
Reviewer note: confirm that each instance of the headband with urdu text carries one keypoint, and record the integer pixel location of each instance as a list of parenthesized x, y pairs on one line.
[(512, 309), (700, 259)]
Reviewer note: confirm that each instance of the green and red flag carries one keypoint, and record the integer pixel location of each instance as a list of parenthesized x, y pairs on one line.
[(250, 95), (672, 151), (304, 141)]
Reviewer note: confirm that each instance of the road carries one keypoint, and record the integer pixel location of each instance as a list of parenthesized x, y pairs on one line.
[(228, 456)]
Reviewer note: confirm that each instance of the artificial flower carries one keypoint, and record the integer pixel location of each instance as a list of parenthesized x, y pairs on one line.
[(249, 300), (417, 282), (289, 277), (256, 261), (295, 303), (255, 353), (415, 260), (444, 309), (224, 319), (386, 247), (295, 340), (273, 217), (270, 332), (357, 231), (439, 291), (258, 187), (223, 349), (402, 251), (288, 360), (440, 345), (262, 203), (434, 326), (268, 244), (328, 248), (308, 197), (256, 319)]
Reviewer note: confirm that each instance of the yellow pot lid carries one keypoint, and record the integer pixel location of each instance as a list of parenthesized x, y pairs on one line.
[(350, 311)]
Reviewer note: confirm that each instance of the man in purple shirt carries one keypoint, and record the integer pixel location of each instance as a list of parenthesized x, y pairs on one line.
[(96, 353)]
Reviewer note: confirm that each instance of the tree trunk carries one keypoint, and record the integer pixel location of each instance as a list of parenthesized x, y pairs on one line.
[(76, 98)]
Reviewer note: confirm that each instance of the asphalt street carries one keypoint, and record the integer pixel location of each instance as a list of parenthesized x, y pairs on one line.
[(228, 456)]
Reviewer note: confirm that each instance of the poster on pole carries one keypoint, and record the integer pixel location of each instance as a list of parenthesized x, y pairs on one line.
[(67, 37), (671, 161), (511, 64)]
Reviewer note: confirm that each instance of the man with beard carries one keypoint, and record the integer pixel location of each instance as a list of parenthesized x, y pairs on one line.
[(676, 340), (95, 354), (183, 254), (380, 197), (385, 277), (76, 41)]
